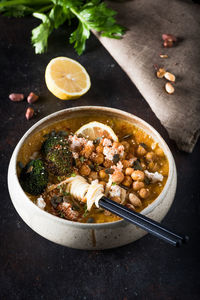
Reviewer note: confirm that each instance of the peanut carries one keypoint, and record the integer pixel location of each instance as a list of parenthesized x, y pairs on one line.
[(168, 43), (163, 56), (169, 88), (32, 98), (134, 200), (160, 73), (29, 113), (167, 36), (169, 76), (16, 97)]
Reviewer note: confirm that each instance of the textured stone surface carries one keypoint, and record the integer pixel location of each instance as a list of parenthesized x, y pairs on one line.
[(34, 268)]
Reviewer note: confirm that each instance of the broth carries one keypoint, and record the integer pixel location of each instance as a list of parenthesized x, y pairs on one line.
[(134, 136)]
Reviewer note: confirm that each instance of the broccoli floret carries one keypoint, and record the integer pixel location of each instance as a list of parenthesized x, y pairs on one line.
[(51, 143), (57, 155), (34, 177)]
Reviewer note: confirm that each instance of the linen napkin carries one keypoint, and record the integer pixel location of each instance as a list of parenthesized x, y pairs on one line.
[(140, 49)]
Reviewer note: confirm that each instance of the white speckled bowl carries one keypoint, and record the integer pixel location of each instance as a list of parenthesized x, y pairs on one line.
[(88, 236)]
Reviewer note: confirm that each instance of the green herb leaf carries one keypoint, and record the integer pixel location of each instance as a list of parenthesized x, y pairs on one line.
[(147, 181), (58, 15), (116, 158), (144, 146), (137, 165), (73, 175), (79, 37), (41, 33), (94, 15), (91, 14), (82, 159)]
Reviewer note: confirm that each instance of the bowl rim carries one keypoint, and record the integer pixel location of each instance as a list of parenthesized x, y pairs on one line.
[(145, 211)]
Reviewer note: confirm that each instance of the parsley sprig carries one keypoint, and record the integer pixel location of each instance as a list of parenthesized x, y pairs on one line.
[(90, 14)]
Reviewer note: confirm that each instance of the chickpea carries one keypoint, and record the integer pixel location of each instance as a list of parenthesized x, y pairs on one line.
[(93, 175), (159, 152), (103, 175), (87, 151), (144, 193), (138, 175), (117, 177), (99, 149), (134, 200), (129, 171), (108, 163), (103, 183), (127, 181), (141, 151), (125, 163), (126, 146), (98, 158), (137, 185), (151, 156), (132, 149), (129, 156), (84, 170), (116, 199)]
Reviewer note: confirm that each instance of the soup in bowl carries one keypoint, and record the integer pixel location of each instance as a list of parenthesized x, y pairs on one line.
[(66, 161)]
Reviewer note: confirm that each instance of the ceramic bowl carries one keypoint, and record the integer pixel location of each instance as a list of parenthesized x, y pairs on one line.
[(88, 236)]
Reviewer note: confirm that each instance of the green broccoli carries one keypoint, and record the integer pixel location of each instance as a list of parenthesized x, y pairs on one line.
[(34, 177), (57, 155)]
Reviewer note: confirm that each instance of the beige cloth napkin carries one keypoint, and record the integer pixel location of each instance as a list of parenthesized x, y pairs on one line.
[(139, 50)]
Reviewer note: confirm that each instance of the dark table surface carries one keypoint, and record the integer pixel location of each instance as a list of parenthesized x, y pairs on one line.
[(35, 268)]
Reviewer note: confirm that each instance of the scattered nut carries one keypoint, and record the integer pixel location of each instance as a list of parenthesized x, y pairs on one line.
[(29, 113), (169, 37), (160, 73), (169, 88), (163, 56), (135, 201), (16, 97), (168, 43), (169, 76), (32, 97)]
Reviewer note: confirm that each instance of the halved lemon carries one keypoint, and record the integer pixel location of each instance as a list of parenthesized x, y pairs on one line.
[(94, 130), (66, 78)]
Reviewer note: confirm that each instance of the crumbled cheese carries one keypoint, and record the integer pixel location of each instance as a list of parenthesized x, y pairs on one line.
[(96, 181), (75, 155), (89, 143), (131, 160), (109, 152), (65, 205), (76, 142), (40, 203), (121, 150), (107, 142), (118, 167), (115, 191), (154, 177)]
